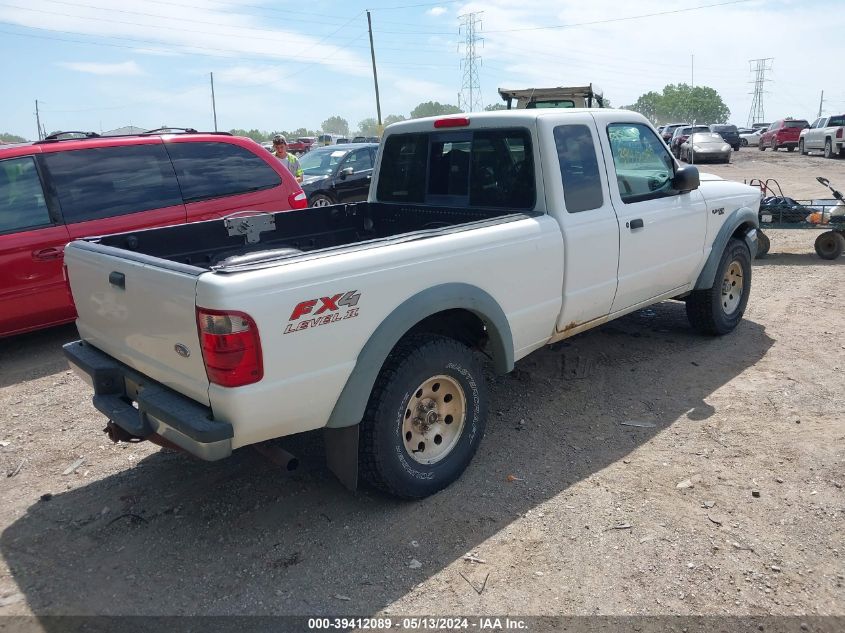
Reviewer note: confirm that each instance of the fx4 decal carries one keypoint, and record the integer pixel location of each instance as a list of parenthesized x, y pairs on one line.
[(323, 311)]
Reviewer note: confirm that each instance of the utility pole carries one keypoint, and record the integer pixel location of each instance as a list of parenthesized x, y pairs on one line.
[(375, 75), (692, 71), (469, 99), (38, 121), (213, 103), (759, 68), (821, 103)]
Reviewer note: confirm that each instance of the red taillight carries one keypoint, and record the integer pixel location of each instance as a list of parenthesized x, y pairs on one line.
[(298, 200), (231, 348), (460, 121), (839, 133)]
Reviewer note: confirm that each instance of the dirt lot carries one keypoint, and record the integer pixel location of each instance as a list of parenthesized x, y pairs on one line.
[(727, 500)]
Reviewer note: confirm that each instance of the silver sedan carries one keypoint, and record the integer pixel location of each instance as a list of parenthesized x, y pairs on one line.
[(705, 146)]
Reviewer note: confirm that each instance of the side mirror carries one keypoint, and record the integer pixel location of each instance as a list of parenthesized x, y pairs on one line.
[(686, 179), (345, 172)]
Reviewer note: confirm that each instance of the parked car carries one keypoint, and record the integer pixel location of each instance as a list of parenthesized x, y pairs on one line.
[(782, 133), (729, 133), (669, 130), (61, 189), (485, 235), (760, 126), (749, 137), (703, 146), (302, 145), (333, 175), (826, 134), (680, 135), (359, 139)]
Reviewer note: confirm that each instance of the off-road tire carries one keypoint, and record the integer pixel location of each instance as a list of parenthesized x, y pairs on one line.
[(763, 245), (384, 460), (830, 245), (705, 307)]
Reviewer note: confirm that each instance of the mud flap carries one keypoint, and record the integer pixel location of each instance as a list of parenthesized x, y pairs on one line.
[(342, 454)]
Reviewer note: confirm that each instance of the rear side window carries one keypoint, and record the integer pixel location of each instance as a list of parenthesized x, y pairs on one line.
[(22, 204), (836, 120), (579, 168), (485, 168), (212, 170), (109, 181)]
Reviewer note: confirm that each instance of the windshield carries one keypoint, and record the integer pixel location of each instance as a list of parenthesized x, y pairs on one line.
[(801, 124), (707, 137), (322, 162)]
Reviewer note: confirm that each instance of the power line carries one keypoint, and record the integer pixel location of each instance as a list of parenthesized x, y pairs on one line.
[(469, 98), (757, 113)]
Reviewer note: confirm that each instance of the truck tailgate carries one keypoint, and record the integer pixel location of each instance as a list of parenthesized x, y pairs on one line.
[(140, 314)]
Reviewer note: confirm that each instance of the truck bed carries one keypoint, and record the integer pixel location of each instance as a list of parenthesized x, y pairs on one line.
[(210, 246)]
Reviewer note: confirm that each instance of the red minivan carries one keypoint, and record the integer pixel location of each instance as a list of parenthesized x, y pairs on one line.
[(60, 189), (782, 133)]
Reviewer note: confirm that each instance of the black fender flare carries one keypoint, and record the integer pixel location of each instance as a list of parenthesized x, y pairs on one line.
[(350, 406), (741, 216)]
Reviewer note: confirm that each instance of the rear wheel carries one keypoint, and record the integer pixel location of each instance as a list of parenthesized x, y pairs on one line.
[(828, 149), (774, 145), (718, 310), (743, 142), (425, 417), (790, 148), (321, 200), (763, 245), (761, 147), (829, 245)]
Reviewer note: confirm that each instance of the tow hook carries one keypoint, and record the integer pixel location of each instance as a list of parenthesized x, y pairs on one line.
[(117, 434)]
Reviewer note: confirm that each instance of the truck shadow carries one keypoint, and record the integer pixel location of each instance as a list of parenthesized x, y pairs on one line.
[(797, 259), (177, 536), (33, 355)]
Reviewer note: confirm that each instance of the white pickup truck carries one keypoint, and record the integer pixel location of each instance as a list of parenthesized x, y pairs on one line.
[(827, 133), (485, 235)]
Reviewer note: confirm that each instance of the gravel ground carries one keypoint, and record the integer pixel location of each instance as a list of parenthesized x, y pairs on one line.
[(724, 497)]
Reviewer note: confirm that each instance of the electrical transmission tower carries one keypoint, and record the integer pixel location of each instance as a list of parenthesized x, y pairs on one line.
[(759, 68), (469, 98)]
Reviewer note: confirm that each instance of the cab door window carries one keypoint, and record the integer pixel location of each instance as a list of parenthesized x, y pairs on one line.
[(644, 167), (22, 203)]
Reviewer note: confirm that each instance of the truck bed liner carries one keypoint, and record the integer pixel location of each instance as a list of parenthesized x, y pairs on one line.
[(208, 245)]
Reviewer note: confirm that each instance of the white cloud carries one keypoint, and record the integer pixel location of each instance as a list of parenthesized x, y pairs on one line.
[(122, 69), (437, 11)]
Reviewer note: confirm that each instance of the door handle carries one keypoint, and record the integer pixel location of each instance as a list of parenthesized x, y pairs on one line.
[(47, 254), (635, 224)]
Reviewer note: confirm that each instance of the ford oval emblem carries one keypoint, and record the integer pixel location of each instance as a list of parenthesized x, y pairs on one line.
[(182, 350)]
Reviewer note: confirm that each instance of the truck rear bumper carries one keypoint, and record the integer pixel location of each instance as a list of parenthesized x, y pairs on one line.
[(143, 407)]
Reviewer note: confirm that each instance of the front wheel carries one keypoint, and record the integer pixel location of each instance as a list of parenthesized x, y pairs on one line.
[(829, 245), (761, 147), (743, 142), (719, 309), (425, 417), (801, 149)]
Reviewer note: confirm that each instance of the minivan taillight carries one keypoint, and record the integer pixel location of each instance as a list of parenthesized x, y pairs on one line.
[(231, 348), (298, 200)]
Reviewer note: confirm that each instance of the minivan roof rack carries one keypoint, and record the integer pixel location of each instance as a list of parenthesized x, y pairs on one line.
[(56, 136)]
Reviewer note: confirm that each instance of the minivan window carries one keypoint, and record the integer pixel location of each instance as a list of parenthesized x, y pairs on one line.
[(579, 168), (104, 182), (487, 168), (212, 170), (22, 204)]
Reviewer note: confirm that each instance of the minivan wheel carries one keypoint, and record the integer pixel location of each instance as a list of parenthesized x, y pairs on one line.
[(719, 309), (425, 417)]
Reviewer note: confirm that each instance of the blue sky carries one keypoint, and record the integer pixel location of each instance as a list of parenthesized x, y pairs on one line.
[(101, 64)]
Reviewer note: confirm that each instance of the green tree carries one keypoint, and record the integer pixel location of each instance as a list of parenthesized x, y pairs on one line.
[(6, 137), (681, 102), (336, 125), (368, 127), (393, 118), (433, 108), (494, 107)]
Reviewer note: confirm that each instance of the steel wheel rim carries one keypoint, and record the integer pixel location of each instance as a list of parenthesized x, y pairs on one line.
[(732, 285), (434, 419), (321, 202)]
